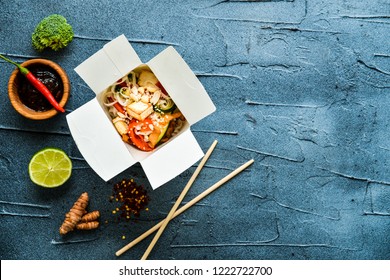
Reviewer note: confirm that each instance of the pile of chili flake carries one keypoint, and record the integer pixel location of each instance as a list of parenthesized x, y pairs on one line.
[(132, 198)]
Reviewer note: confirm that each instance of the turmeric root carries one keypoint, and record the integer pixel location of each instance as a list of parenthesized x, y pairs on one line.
[(88, 221), (89, 217), (88, 225), (73, 217)]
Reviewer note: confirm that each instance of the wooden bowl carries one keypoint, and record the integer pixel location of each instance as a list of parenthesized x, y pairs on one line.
[(23, 109)]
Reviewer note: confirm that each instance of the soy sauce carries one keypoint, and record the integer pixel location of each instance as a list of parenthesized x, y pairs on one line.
[(31, 97)]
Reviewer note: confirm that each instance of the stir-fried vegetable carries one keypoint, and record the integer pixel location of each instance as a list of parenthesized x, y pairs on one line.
[(142, 111)]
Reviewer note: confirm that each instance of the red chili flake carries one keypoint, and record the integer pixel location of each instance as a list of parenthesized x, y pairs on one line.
[(133, 199)]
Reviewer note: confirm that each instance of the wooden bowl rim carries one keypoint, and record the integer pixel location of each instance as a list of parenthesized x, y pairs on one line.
[(23, 109)]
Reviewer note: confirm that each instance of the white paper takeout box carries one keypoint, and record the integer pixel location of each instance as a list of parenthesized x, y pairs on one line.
[(95, 135)]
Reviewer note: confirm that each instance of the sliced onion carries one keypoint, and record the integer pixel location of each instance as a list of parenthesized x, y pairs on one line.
[(109, 104), (120, 100), (123, 79), (113, 112)]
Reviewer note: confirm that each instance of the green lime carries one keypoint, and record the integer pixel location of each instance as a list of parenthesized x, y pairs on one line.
[(50, 168)]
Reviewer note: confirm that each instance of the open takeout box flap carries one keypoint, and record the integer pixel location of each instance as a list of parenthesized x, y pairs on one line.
[(109, 64), (97, 141), (171, 160), (182, 85)]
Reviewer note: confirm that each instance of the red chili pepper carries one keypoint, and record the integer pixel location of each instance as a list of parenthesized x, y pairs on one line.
[(43, 89), (37, 84)]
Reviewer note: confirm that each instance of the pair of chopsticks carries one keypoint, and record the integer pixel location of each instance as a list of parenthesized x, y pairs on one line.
[(174, 212)]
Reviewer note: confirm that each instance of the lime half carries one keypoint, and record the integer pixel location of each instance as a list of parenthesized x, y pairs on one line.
[(50, 168)]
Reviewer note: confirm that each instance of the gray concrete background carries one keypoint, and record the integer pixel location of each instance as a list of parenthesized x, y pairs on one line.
[(301, 86)]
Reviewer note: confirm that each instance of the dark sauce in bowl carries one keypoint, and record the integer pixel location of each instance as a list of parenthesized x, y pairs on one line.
[(31, 97)]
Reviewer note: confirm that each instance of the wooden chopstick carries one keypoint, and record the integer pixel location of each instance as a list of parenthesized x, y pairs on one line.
[(179, 200), (186, 206)]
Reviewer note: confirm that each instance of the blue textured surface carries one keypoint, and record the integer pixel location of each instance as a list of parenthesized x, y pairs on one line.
[(301, 86)]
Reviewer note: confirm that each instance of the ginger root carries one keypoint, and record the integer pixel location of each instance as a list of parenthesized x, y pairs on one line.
[(78, 218)]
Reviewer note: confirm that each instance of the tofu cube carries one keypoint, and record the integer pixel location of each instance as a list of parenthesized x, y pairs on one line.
[(139, 110)]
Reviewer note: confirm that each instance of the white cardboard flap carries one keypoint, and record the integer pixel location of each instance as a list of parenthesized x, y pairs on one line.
[(122, 54), (98, 141), (98, 71), (182, 85), (109, 64), (171, 160)]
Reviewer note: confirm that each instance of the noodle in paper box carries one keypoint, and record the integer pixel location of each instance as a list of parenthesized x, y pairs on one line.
[(142, 113)]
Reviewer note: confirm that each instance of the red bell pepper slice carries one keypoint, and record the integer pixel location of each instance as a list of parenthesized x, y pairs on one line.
[(138, 140)]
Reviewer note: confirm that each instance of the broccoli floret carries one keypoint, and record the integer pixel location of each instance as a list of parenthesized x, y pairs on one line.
[(52, 32)]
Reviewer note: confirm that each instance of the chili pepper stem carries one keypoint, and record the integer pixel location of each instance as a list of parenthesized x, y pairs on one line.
[(22, 69), (9, 60)]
